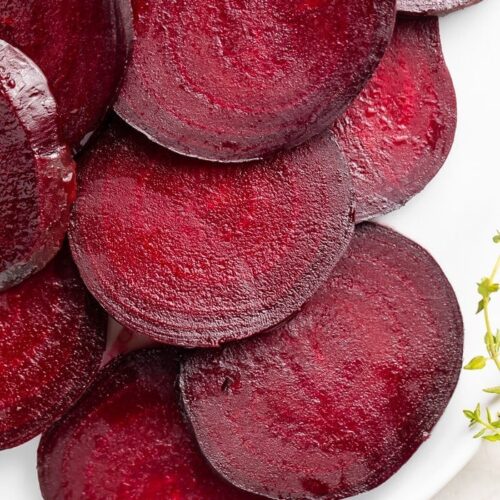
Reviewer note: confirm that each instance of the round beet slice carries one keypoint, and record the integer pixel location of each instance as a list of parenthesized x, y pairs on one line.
[(37, 180), (127, 439), (399, 131), (233, 80), (52, 339), (336, 401), (433, 7), (81, 46), (195, 253)]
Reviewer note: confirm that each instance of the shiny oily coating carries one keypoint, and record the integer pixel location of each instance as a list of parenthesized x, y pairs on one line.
[(337, 400), (195, 253), (397, 134), (81, 46), (240, 79), (433, 7), (37, 178), (127, 439), (52, 339)]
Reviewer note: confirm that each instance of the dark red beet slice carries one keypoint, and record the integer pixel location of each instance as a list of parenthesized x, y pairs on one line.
[(195, 253), (37, 181), (80, 46), (433, 7), (335, 401), (235, 80), (52, 339), (127, 439), (399, 131)]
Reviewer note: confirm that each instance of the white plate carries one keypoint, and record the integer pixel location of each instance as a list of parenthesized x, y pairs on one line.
[(454, 218)]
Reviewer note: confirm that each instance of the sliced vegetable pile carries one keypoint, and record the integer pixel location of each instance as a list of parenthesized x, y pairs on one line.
[(216, 211)]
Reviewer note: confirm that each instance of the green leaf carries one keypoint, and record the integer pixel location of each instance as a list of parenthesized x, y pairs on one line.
[(477, 411), (492, 390), (496, 238), (479, 434), (486, 338), (470, 415), (476, 363), (492, 437), (486, 287), (480, 306)]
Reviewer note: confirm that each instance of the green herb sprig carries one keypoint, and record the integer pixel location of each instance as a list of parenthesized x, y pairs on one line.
[(489, 426)]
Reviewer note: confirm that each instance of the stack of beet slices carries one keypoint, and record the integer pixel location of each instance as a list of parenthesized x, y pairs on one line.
[(220, 211)]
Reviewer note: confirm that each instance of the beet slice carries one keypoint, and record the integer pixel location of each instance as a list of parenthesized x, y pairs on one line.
[(52, 339), (235, 80), (80, 46), (335, 401), (433, 7), (399, 131), (37, 179), (195, 253), (127, 439)]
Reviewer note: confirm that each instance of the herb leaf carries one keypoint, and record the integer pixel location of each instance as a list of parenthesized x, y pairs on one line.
[(477, 363), (492, 390)]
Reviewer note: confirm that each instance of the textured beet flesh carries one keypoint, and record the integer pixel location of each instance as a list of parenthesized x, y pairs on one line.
[(52, 339), (399, 131), (37, 180), (195, 253), (80, 46), (433, 7), (238, 80), (334, 402), (127, 439)]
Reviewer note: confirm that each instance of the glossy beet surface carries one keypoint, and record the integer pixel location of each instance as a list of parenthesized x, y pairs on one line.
[(433, 7), (127, 439), (37, 179), (237, 80), (52, 338), (398, 132), (336, 401), (195, 253), (81, 46)]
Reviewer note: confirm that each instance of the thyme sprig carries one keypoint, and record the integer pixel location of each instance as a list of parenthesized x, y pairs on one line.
[(490, 427)]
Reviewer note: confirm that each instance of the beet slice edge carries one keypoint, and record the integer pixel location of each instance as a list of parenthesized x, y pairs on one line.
[(398, 132), (433, 7), (127, 436), (37, 177), (195, 253), (82, 48), (237, 81), (336, 401), (53, 337)]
